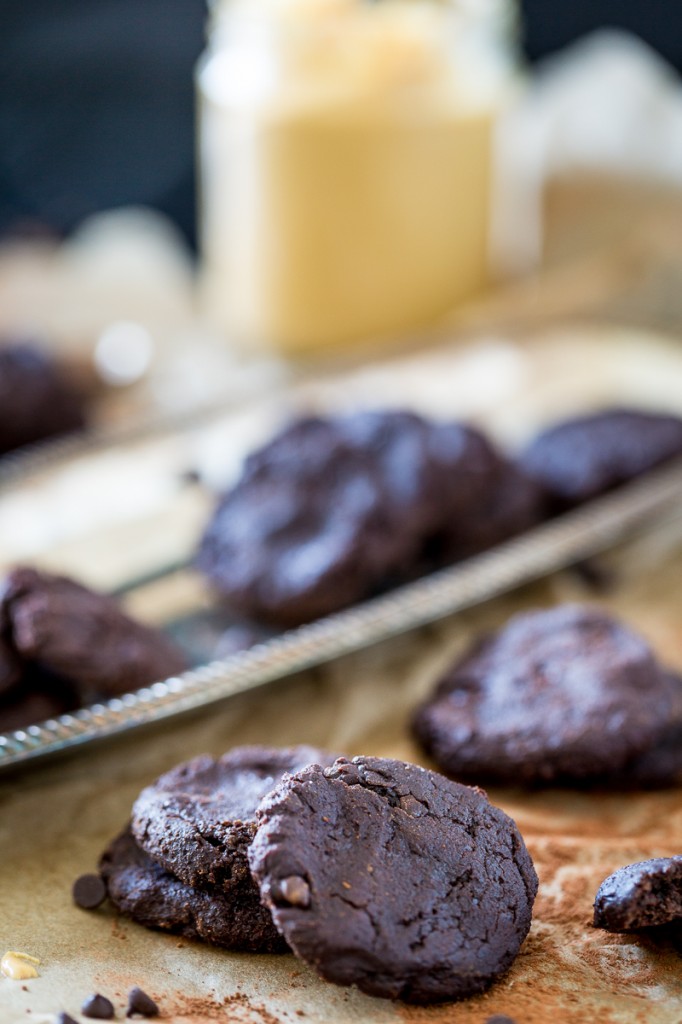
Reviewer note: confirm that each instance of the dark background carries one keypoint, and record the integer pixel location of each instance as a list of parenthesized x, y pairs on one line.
[(97, 97)]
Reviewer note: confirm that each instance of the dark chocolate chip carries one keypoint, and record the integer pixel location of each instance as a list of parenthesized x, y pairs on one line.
[(140, 1003), (89, 892), (64, 1018), (500, 1018), (97, 1007)]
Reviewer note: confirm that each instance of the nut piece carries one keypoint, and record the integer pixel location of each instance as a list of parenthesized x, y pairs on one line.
[(294, 890), (19, 966)]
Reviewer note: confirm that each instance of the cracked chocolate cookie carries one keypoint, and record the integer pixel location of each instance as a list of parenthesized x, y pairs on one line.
[(584, 457), (198, 819), (36, 400), (81, 636), (390, 877), (640, 895), (558, 695), (151, 896)]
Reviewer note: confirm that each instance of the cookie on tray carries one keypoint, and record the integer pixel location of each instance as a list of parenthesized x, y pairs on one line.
[(581, 458), (151, 896), (390, 877), (198, 820), (82, 636), (562, 694), (300, 536), (333, 511)]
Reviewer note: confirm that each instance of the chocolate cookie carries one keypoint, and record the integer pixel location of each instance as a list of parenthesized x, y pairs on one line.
[(82, 636), (300, 537), (198, 819), (333, 511), (36, 399), (564, 694), (640, 896), (387, 876), (581, 458), (151, 896)]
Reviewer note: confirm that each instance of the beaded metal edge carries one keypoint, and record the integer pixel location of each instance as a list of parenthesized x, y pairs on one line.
[(554, 545)]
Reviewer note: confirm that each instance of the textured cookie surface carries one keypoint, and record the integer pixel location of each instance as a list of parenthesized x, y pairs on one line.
[(151, 896), (393, 878), (198, 819), (640, 895), (583, 457), (82, 636), (36, 401), (563, 694)]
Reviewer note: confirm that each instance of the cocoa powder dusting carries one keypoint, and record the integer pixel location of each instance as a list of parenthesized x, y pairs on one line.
[(233, 1009)]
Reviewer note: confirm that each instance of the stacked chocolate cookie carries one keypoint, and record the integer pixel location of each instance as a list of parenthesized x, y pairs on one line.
[(377, 873), (63, 646), (182, 863), (334, 510), (562, 696)]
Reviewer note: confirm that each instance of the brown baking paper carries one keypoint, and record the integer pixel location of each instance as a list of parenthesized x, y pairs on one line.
[(56, 819)]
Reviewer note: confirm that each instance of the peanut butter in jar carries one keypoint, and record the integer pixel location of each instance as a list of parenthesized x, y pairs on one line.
[(346, 153)]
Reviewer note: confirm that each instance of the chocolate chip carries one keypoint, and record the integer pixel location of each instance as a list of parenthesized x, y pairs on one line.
[(89, 891), (140, 1003), (98, 1007), (294, 890), (64, 1018), (500, 1018)]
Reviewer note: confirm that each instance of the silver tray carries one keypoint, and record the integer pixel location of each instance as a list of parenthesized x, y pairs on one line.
[(562, 542)]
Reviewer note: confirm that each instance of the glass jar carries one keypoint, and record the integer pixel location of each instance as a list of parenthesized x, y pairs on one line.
[(346, 164)]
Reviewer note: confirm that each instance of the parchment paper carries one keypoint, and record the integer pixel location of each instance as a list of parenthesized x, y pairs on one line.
[(54, 821)]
